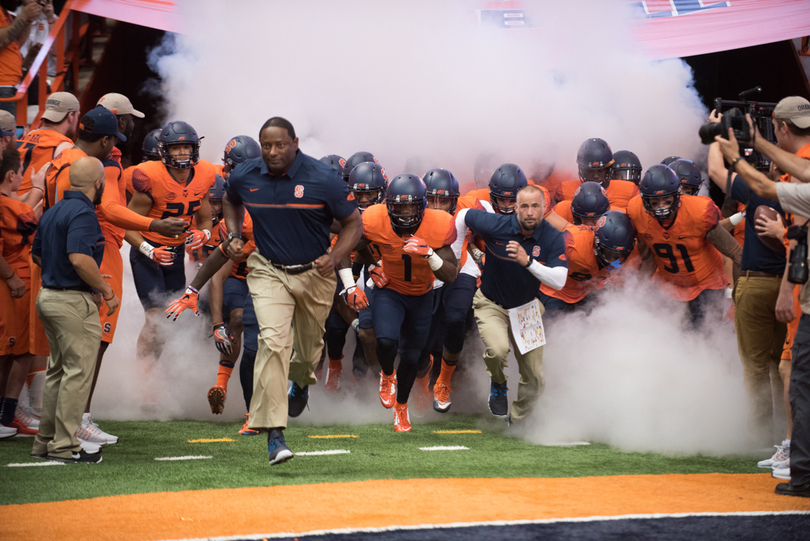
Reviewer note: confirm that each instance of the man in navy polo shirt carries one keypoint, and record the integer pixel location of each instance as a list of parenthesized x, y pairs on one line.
[(293, 200), (69, 246), (511, 278)]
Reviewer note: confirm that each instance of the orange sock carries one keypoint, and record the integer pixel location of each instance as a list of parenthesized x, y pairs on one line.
[(224, 374), (446, 373)]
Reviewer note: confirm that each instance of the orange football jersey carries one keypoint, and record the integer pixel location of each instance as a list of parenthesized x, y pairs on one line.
[(619, 192), (17, 227), (240, 269), (57, 180), (563, 210), (36, 149), (408, 274), (683, 256), (171, 199), (584, 274)]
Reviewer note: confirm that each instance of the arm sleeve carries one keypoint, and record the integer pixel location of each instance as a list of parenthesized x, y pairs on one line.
[(142, 183), (553, 277), (82, 234), (461, 233), (711, 217), (112, 209)]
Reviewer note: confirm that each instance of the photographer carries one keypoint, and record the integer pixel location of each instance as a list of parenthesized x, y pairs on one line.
[(792, 128)]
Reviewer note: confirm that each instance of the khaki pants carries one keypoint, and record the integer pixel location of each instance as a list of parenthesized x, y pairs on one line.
[(760, 339), (281, 300), (493, 326), (71, 322)]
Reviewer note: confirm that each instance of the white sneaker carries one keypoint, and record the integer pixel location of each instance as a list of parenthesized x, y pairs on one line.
[(89, 431), (88, 447), (26, 416), (781, 455), (7, 431), (782, 473)]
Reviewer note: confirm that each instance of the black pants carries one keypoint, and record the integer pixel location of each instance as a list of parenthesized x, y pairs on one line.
[(800, 404)]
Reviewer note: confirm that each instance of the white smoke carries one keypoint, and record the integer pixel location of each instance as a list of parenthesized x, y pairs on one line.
[(421, 82)]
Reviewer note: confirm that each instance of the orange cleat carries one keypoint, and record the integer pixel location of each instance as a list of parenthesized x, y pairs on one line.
[(388, 389), (216, 398), (246, 430), (22, 430), (402, 423), (333, 375), (441, 396)]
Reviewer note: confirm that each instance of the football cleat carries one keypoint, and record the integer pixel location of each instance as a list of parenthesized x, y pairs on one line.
[(22, 430), (246, 430), (333, 375), (27, 417), (216, 398), (388, 389), (402, 423), (441, 397), (498, 404)]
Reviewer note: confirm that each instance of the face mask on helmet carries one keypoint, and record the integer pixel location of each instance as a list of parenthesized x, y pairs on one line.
[(595, 174), (503, 205), (661, 207), (180, 158), (406, 214), (627, 173), (447, 203), (688, 189), (367, 196)]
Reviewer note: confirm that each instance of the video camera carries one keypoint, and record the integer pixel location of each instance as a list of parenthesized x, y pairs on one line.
[(733, 112)]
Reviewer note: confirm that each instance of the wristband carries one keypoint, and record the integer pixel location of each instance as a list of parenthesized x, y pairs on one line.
[(108, 298), (435, 261), (735, 219), (347, 278), (477, 254), (207, 235), (37, 188), (146, 249), (193, 290)]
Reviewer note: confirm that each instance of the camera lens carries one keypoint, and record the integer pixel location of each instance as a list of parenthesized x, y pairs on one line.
[(709, 131)]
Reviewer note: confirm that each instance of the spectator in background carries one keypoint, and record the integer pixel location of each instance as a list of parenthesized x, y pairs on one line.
[(40, 29), (8, 130), (13, 33)]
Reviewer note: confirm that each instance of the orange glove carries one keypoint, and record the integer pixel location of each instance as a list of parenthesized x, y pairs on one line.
[(355, 298), (223, 338), (417, 246), (377, 275), (197, 238), (161, 255), (187, 301)]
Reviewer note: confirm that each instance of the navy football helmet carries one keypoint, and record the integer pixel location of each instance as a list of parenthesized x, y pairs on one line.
[(614, 238), (179, 133), (149, 148), (668, 160), (368, 178), (217, 190), (442, 184), (335, 162), (505, 183), (689, 175), (590, 201), (356, 159), (660, 181), (626, 166), (595, 161), (406, 202), (239, 149)]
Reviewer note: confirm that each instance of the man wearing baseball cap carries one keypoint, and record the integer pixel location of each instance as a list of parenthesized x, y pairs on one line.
[(8, 130)]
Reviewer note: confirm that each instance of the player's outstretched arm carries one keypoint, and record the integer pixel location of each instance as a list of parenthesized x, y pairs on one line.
[(726, 245), (350, 235)]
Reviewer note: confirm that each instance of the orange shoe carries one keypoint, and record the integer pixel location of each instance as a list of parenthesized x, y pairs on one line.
[(216, 398), (246, 430), (333, 375), (22, 430), (402, 423), (388, 389), (441, 396)]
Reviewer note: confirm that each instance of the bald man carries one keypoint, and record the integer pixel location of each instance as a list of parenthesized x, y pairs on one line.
[(69, 247)]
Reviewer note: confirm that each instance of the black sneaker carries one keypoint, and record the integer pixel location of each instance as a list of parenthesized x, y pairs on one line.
[(81, 457), (786, 489), (297, 399), (498, 405), (279, 452)]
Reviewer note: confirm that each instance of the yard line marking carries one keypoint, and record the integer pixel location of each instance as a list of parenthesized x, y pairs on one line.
[(319, 453), (210, 440), (565, 444), (189, 457), (26, 464), (331, 436), (456, 431), (445, 448)]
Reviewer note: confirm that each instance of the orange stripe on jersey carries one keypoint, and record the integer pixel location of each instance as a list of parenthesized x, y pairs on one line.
[(288, 205), (683, 256), (584, 274), (407, 274)]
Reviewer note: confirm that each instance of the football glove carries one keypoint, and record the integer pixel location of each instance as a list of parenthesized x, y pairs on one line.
[(377, 275), (417, 246), (187, 301), (355, 298), (196, 238), (162, 255), (223, 339)]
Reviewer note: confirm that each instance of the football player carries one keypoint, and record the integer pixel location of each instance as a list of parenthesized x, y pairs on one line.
[(414, 243), (149, 153), (238, 149), (683, 238), (595, 163), (626, 166), (356, 159), (689, 175), (590, 202), (177, 186)]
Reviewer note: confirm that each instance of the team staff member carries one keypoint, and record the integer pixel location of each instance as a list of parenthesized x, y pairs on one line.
[(293, 200), (511, 278), (176, 186), (69, 245)]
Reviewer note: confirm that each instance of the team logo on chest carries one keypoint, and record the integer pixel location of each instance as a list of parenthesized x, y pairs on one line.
[(666, 235), (185, 193), (536, 251), (299, 191)]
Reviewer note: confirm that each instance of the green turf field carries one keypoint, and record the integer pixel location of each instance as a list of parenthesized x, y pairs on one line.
[(377, 452)]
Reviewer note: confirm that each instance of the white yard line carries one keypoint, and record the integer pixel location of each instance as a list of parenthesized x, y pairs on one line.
[(190, 457), (445, 448), (320, 453), (26, 464)]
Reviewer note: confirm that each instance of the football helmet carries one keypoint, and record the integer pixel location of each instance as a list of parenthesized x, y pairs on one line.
[(356, 159), (239, 149), (660, 181), (626, 166), (668, 160), (338, 163), (614, 238), (442, 184), (179, 133), (149, 148), (505, 183), (590, 201), (217, 190), (368, 178), (595, 161), (406, 202), (689, 175)]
